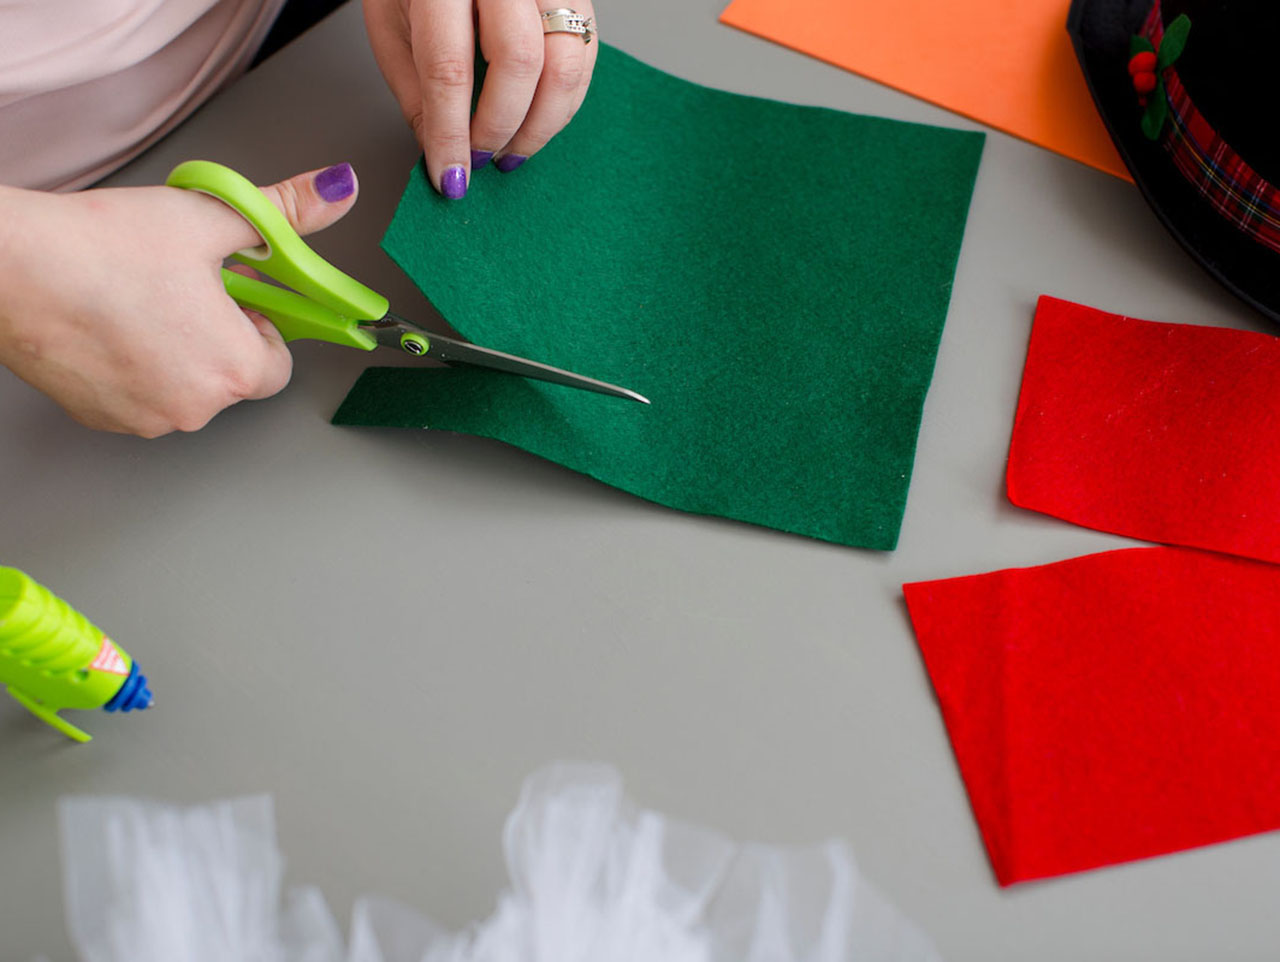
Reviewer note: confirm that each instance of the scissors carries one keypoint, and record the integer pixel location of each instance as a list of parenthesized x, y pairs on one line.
[(331, 306)]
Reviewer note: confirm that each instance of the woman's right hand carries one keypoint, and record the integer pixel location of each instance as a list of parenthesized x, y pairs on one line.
[(111, 301)]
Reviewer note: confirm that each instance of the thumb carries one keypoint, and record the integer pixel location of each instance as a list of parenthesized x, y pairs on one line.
[(316, 199), (310, 202)]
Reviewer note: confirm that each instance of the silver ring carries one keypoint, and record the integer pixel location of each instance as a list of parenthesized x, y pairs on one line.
[(564, 20)]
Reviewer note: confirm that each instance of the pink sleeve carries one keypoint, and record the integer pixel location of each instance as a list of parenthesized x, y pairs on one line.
[(86, 85)]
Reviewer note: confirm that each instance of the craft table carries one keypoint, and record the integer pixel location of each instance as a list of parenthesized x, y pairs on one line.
[(387, 630)]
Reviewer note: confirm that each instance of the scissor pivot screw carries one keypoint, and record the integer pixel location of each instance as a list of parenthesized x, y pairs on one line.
[(415, 344)]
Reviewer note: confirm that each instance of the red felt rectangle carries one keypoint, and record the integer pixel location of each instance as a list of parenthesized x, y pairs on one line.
[(1110, 707), (1165, 432)]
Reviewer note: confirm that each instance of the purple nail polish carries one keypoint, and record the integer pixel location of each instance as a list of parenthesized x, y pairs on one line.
[(509, 162), (479, 158), (336, 183), (453, 182)]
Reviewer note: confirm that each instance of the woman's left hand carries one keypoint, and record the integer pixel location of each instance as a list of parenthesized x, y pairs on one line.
[(533, 85)]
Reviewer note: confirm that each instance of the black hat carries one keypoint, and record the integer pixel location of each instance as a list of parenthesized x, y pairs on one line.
[(1186, 88)]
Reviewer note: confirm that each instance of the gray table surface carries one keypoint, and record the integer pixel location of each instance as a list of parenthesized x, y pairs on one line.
[(387, 630)]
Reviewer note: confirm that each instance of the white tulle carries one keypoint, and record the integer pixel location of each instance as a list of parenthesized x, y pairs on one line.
[(592, 879), (147, 882)]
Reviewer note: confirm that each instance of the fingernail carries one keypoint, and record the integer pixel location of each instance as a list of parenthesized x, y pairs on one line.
[(479, 158), (453, 182), (336, 183), (509, 162)]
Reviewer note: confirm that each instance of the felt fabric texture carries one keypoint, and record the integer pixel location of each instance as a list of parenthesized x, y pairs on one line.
[(1165, 432), (1111, 707), (1002, 63), (782, 316)]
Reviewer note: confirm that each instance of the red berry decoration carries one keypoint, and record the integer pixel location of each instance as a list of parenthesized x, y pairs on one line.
[(1144, 82), (1145, 65), (1142, 62)]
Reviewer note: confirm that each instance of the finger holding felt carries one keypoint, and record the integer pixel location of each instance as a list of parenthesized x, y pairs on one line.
[(442, 36), (565, 74), (511, 42)]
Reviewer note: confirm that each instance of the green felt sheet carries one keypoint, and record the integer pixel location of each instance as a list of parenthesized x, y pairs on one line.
[(774, 278)]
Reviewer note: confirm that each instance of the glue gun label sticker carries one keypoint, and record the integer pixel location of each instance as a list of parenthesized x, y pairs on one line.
[(109, 659)]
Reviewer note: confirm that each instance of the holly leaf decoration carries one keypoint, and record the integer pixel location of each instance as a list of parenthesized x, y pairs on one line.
[(1156, 114), (1174, 39), (1139, 44)]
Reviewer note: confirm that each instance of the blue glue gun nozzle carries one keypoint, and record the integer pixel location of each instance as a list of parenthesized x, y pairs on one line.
[(134, 694)]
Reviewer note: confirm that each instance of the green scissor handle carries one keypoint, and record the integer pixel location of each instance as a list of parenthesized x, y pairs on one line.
[(329, 305)]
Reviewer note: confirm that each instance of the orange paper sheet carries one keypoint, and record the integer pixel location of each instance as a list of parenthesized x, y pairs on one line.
[(1006, 63)]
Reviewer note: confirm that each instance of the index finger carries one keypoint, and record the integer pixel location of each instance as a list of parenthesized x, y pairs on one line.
[(443, 41)]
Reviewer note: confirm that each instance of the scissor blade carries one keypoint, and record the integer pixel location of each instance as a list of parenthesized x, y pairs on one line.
[(390, 329), (460, 352)]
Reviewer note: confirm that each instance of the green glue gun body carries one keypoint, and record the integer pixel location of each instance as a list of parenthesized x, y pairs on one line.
[(52, 657)]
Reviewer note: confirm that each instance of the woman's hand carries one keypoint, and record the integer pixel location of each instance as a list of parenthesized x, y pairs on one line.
[(533, 85), (111, 301)]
